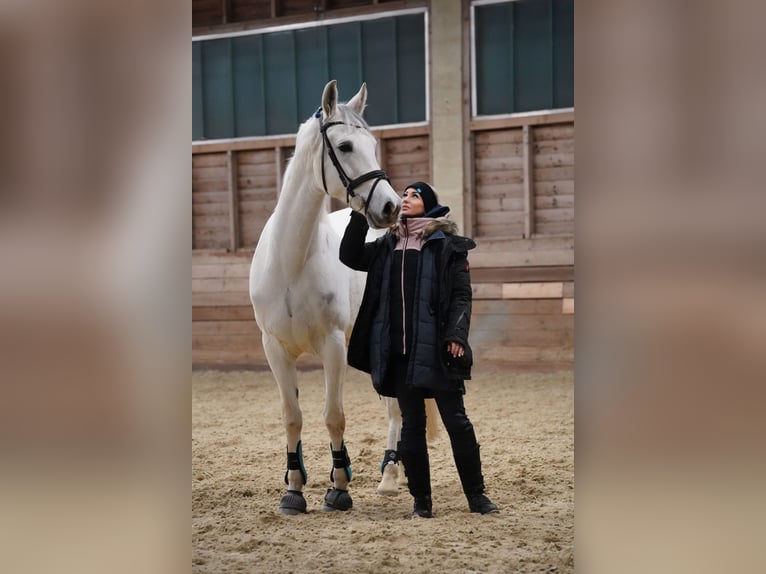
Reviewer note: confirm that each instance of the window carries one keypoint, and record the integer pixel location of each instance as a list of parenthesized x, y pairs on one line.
[(237, 77), (523, 56)]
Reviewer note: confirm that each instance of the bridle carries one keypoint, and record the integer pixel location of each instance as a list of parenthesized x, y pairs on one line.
[(348, 183)]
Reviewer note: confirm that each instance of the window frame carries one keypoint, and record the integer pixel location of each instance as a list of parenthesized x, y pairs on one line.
[(326, 23), (474, 96)]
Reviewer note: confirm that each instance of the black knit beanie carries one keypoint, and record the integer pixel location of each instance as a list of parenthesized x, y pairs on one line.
[(426, 194)]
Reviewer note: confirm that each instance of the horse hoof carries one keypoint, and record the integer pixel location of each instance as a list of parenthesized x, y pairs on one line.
[(388, 484), (292, 503), (337, 499)]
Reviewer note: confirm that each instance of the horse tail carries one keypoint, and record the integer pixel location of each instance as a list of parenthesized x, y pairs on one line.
[(432, 417)]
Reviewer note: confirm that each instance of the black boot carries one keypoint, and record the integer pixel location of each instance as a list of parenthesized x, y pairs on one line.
[(418, 472), (422, 507), (468, 464)]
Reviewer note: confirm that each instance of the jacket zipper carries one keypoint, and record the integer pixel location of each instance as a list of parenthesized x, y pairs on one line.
[(404, 303)]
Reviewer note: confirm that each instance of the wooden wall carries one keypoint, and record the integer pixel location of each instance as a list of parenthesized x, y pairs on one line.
[(522, 218)]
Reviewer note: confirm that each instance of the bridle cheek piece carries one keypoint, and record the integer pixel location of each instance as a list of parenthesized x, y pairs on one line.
[(348, 183)]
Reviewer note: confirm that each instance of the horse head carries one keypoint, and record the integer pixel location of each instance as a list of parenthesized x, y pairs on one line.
[(349, 167)]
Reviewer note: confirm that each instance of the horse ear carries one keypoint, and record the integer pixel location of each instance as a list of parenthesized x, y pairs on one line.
[(330, 98), (359, 100)]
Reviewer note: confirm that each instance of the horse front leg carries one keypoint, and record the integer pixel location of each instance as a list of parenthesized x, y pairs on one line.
[(334, 360), (389, 468), (283, 367)]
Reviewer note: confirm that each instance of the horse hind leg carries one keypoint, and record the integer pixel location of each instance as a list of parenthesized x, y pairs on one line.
[(283, 367), (389, 468)]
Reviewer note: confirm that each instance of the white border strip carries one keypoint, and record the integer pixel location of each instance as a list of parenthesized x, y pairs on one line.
[(312, 24)]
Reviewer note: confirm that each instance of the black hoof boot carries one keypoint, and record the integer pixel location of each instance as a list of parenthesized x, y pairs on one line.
[(422, 507), (292, 503), (481, 504), (337, 499)]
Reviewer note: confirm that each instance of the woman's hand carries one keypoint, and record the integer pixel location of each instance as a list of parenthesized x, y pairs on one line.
[(455, 349)]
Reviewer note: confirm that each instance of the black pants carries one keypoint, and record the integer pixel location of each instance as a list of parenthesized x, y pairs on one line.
[(412, 404)]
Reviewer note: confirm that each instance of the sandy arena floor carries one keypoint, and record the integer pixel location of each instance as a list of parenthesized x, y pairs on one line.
[(524, 422)]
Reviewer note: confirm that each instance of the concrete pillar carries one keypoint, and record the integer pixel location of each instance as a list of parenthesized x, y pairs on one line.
[(446, 105)]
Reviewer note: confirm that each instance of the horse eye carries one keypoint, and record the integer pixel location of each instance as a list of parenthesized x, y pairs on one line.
[(345, 147)]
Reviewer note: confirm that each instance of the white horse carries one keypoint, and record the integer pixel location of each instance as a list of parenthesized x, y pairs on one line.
[(305, 299)]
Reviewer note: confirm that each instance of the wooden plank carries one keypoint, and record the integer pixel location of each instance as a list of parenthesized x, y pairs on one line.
[(500, 177), (525, 354), (256, 157), (567, 305), (523, 245), (215, 172), (257, 169), (523, 336), (419, 156), (510, 190), (222, 257), (515, 307), (236, 144), (220, 270), (499, 163), (521, 274), (517, 121), (554, 215), (500, 204), (220, 284), (500, 218), (559, 131), (232, 313), (219, 222), (229, 328), (258, 183), (555, 228), (243, 342), (406, 146), (208, 160), (554, 147), (210, 209), (400, 133), (554, 173), (533, 290), (208, 186), (508, 322), (487, 290), (529, 220), (552, 202), (487, 150), (221, 299), (262, 208), (498, 231), (554, 187), (569, 289), (553, 160), (233, 227), (509, 136), (218, 358)]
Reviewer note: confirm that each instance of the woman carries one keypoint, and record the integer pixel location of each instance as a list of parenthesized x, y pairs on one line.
[(411, 334)]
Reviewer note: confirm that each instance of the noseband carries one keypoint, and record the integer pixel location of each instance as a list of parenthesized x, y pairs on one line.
[(348, 183)]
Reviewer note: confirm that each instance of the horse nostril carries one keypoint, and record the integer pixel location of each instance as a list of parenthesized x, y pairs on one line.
[(388, 209)]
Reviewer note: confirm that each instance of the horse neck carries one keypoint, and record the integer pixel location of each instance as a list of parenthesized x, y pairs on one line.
[(300, 206)]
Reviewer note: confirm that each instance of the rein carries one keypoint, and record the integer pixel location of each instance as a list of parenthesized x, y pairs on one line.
[(348, 183)]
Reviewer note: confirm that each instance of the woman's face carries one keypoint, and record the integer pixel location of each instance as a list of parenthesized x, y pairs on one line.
[(412, 203)]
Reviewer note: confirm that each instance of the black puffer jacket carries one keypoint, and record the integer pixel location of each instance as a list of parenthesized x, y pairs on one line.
[(442, 307)]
